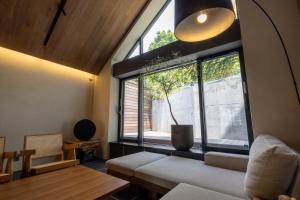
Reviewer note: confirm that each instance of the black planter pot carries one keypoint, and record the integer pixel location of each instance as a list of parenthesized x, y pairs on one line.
[(182, 137)]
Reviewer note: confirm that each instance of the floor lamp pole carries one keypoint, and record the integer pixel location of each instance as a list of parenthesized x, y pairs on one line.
[(283, 45)]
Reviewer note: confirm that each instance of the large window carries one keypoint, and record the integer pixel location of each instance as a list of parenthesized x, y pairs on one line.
[(209, 94), (223, 99), (168, 96)]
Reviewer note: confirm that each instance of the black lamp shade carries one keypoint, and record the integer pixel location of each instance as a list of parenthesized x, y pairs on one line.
[(216, 16)]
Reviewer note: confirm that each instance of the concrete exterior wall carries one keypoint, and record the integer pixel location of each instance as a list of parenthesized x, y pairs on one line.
[(224, 106)]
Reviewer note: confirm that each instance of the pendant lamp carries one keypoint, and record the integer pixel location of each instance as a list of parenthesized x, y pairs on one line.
[(198, 20)]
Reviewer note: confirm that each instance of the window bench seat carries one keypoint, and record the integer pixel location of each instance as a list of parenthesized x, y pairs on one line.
[(219, 176), (162, 173)]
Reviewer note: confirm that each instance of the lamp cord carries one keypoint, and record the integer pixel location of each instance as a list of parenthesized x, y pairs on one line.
[(283, 45)]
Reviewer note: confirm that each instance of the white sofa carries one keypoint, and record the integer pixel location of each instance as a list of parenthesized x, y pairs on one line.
[(191, 192), (219, 176), (170, 171)]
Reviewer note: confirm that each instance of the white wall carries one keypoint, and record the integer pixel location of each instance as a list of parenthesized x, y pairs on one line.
[(274, 106), (106, 100), (38, 97)]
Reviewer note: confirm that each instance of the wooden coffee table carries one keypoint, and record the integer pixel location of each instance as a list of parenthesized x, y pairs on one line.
[(72, 183)]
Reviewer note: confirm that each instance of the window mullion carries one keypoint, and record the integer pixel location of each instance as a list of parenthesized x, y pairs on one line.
[(246, 98), (140, 110), (201, 106), (141, 46), (120, 110)]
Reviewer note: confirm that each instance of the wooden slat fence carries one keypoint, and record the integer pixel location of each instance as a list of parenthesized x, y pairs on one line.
[(131, 108)]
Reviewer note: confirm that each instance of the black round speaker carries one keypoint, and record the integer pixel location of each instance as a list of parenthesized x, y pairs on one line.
[(84, 129)]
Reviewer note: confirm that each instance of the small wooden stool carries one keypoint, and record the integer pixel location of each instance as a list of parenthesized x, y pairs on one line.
[(85, 148)]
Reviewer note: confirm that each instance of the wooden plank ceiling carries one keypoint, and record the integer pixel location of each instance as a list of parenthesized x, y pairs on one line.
[(84, 39)]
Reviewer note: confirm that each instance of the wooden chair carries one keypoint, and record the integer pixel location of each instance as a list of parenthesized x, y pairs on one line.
[(6, 174), (47, 146)]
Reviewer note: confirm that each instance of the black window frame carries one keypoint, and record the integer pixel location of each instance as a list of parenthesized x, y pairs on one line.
[(225, 148), (121, 136), (204, 145)]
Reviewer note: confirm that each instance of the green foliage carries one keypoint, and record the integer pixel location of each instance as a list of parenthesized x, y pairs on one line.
[(161, 84), (162, 38), (220, 68)]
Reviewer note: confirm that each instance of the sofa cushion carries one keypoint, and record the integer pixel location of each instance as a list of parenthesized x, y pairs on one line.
[(296, 186), (127, 164), (191, 192), (172, 170), (271, 168), (227, 160)]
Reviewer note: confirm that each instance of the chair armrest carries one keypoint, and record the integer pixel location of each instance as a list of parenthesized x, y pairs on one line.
[(230, 161), (70, 150), (28, 152), (10, 155), (69, 146), (26, 164)]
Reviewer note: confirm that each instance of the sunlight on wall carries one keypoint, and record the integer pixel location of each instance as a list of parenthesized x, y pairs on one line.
[(27, 62)]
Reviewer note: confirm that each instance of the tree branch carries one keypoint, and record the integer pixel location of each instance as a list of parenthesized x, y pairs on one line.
[(170, 108)]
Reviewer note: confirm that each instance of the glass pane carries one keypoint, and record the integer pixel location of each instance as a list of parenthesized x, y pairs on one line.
[(181, 85), (162, 31), (130, 109), (135, 52), (224, 102)]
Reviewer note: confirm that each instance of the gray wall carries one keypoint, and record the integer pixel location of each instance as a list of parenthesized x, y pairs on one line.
[(38, 97), (274, 106)]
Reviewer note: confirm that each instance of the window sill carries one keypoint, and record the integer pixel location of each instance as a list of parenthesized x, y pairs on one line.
[(157, 148)]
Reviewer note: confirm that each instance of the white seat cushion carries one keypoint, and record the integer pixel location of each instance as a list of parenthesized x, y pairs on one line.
[(190, 192), (296, 186), (127, 164), (170, 171)]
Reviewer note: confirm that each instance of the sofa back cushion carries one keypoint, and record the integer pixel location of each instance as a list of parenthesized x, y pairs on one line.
[(229, 161), (271, 168)]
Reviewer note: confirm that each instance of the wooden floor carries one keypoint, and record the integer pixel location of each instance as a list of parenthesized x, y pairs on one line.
[(72, 183)]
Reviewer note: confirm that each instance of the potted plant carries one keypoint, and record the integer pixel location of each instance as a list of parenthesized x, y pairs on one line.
[(162, 85)]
